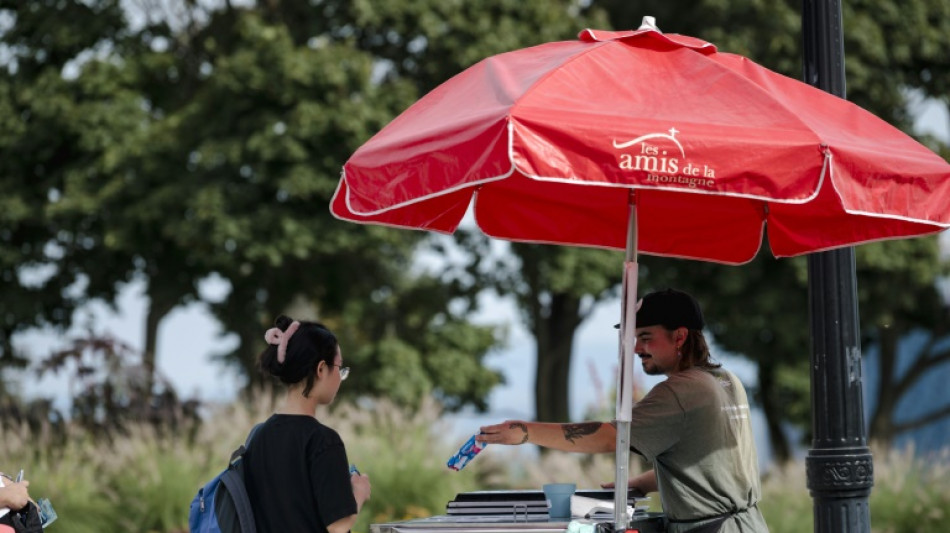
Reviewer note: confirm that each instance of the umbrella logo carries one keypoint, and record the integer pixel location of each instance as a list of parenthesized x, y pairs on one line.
[(662, 165)]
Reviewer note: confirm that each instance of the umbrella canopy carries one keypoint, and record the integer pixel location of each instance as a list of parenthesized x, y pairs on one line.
[(550, 142)]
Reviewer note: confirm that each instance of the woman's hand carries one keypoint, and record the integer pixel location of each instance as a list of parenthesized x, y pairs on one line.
[(15, 495), (361, 488)]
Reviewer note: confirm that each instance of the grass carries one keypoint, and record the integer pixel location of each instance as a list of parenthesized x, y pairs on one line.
[(144, 481)]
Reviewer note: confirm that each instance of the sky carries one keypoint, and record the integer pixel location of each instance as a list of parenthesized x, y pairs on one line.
[(189, 336)]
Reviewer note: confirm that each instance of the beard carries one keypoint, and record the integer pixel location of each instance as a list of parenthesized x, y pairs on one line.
[(650, 370)]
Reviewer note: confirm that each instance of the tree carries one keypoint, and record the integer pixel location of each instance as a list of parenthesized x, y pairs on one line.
[(214, 142), (913, 268), (57, 130), (556, 289), (425, 42), (265, 136)]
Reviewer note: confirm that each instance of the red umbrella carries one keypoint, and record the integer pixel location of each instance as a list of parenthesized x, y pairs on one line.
[(551, 140), (621, 136)]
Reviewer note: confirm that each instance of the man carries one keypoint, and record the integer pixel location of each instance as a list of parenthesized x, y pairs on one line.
[(694, 426)]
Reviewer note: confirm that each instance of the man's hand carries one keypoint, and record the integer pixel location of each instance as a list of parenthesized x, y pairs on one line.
[(583, 437), (637, 493), (640, 485), (508, 432)]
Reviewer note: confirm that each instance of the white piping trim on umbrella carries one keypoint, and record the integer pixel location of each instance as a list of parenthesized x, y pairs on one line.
[(373, 222), (473, 184), (941, 225), (388, 225), (826, 169), (514, 167), (450, 190), (855, 243)]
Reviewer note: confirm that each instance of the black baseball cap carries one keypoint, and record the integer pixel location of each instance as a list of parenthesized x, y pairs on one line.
[(671, 309)]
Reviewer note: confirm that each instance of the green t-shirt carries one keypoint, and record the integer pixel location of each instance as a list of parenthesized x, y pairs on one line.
[(695, 428)]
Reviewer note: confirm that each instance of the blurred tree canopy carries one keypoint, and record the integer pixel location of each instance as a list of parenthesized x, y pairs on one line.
[(174, 141)]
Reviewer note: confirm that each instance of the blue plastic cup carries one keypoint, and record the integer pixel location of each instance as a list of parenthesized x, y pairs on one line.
[(559, 499)]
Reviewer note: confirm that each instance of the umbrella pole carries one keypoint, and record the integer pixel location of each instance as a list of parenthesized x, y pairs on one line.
[(625, 375)]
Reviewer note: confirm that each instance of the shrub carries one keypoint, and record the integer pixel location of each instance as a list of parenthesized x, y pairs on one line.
[(143, 480)]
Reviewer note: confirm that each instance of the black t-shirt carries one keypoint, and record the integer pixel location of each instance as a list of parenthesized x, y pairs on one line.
[(297, 476)]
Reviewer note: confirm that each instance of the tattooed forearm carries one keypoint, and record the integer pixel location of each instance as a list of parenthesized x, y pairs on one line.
[(574, 431), (523, 427)]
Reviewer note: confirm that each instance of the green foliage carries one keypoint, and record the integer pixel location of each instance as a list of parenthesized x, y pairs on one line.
[(57, 131), (208, 141), (404, 456), (173, 145), (152, 485), (911, 495), (429, 41), (786, 504), (143, 481)]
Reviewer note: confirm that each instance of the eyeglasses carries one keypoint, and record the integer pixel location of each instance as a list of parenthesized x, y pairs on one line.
[(344, 371)]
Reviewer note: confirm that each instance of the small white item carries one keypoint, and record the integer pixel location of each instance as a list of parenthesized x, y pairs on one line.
[(585, 507)]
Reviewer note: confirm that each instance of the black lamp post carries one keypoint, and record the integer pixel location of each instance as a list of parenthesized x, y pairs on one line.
[(840, 469)]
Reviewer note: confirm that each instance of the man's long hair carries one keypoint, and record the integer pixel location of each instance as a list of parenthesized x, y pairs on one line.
[(696, 352)]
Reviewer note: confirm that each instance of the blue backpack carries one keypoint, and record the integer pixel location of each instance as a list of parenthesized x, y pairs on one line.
[(222, 505)]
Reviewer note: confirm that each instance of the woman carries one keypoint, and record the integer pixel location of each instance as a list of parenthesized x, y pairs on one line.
[(13, 494), (18, 512), (296, 469)]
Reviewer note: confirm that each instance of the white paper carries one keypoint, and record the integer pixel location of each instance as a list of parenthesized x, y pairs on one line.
[(584, 507), (3, 510)]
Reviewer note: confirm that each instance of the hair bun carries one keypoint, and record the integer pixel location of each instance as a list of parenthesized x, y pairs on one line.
[(283, 322)]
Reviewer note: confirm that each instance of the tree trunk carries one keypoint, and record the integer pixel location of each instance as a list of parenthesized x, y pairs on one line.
[(772, 407), (158, 307), (555, 332)]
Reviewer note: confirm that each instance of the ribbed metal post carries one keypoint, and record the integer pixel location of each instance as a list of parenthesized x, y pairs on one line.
[(839, 467)]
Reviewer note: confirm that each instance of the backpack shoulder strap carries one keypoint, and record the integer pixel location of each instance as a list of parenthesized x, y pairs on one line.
[(238, 453), (233, 480), (252, 433)]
